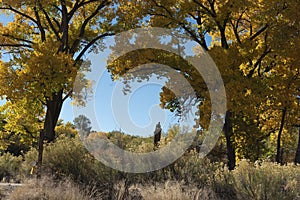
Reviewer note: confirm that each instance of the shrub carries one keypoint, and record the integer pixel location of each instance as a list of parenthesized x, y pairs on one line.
[(67, 157), (10, 167), (267, 181)]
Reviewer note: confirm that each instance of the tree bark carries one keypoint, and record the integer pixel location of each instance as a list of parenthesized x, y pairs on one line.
[(228, 131), (297, 157), (54, 107), (279, 150)]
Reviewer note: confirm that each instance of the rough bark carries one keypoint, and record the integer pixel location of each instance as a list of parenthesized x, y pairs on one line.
[(228, 131)]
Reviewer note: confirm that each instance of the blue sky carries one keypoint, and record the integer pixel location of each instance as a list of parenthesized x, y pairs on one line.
[(109, 108)]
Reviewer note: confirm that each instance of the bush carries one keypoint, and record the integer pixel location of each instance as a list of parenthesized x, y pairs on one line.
[(10, 167), (267, 181), (67, 157)]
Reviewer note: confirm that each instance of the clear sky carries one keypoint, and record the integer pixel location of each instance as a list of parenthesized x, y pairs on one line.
[(105, 107), (108, 108)]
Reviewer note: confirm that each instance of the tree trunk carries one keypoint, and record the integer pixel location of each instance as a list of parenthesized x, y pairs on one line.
[(279, 150), (54, 107), (228, 131), (40, 154), (297, 157)]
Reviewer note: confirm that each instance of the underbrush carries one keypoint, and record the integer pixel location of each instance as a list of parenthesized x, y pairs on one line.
[(75, 174), (267, 180)]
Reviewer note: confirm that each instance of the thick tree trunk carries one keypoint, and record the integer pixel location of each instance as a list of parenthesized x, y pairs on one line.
[(228, 131), (297, 157), (279, 150), (54, 107)]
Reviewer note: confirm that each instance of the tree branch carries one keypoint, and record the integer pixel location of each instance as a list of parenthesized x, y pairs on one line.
[(15, 45), (67, 95), (64, 28), (39, 24), (19, 12), (205, 8), (49, 21), (92, 42), (15, 38), (85, 23), (259, 32)]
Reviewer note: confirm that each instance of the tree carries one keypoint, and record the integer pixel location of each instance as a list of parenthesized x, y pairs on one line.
[(21, 122), (249, 47), (46, 42), (83, 125)]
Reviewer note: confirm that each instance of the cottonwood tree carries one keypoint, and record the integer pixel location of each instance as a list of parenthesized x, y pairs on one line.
[(43, 47), (251, 49), (248, 45)]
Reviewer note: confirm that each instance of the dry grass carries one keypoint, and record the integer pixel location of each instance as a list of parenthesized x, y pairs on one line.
[(49, 189), (173, 190)]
